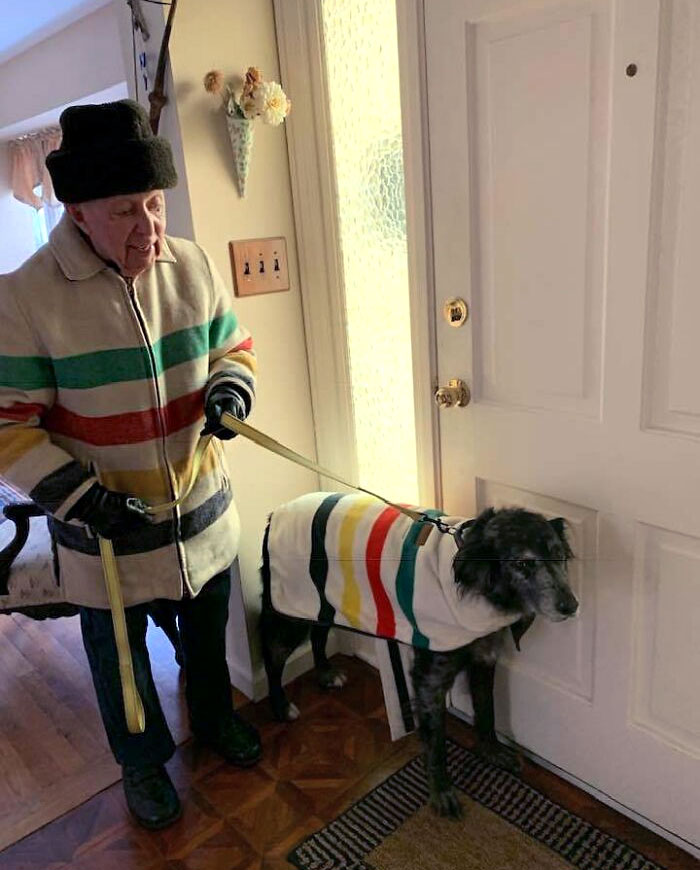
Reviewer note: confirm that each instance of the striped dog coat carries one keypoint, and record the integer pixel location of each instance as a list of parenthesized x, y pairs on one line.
[(352, 561)]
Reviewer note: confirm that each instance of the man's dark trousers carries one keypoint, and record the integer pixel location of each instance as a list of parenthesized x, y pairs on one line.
[(202, 621)]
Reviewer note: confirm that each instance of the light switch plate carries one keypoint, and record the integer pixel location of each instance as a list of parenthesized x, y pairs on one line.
[(259, 266)]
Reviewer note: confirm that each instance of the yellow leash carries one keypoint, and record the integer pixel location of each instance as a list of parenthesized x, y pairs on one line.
[(236, 425), (133, 707)]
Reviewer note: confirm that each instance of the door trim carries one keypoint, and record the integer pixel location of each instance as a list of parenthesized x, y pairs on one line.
[(302, 70), (410, 21), (300, 44)]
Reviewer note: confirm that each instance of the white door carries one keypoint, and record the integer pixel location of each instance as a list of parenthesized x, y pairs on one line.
[(565, 181)]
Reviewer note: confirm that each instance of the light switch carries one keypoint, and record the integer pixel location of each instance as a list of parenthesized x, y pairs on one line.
[(259, 266)]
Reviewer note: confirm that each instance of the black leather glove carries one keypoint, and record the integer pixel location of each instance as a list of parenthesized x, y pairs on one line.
[(223, 398), (110, 514)]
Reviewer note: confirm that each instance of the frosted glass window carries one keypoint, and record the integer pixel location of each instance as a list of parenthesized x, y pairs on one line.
[(363, 82)]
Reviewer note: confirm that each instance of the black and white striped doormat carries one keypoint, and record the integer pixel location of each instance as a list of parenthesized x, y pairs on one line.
[(346, 841)]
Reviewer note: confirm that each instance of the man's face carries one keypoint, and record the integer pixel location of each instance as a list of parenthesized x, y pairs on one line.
[(128, 230)]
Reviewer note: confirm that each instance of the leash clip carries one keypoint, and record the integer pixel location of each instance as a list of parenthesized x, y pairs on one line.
[(441, 525)]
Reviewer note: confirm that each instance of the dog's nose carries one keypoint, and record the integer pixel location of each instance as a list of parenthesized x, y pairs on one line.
[(567, 604)]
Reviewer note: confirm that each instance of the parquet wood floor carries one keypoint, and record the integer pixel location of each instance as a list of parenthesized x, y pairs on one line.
[(53, 749), (249, 820)]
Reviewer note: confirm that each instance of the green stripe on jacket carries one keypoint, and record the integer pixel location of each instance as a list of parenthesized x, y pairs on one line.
[(86, 370)]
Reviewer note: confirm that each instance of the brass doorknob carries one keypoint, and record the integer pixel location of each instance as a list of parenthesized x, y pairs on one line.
[(455, 393)]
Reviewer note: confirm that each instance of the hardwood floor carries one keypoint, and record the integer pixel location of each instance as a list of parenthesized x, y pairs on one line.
[(311, 770), (53, 749)]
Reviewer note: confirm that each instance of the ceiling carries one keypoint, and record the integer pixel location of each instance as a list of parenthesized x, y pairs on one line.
[(27, 22)]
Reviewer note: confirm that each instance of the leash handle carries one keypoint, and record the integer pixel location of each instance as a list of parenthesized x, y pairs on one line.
[(133, 706)]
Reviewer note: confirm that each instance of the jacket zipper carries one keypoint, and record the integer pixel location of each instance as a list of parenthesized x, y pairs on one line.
[(176, 517)]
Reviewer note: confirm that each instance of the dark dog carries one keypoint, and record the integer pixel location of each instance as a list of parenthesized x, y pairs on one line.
[(512, 559)]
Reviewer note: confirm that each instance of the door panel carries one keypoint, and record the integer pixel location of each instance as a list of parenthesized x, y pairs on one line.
[(540, 87), (565, 175)]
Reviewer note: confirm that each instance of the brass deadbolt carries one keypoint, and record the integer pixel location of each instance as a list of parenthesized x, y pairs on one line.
[(456, 311), (455, 393)]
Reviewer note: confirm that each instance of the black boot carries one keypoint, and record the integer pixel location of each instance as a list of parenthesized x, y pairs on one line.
[(236, 740), (151, 796)]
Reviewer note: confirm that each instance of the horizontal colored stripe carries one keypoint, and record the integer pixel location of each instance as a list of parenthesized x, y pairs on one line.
[(22, 412), (150, 536), (26, 373), (54, 489), (243, 358), (14, 443), (406, 578), (222, 328), (88, 370), (351, 600), (152, 484), (386, 621), (130, 428), (247, 344)]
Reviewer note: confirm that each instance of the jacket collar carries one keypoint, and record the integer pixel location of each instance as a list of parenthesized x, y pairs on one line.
[(76, 257)]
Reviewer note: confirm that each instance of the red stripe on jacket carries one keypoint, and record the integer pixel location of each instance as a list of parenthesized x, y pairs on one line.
[(386, 621), (20, 412), (246, 344), (130, 428)]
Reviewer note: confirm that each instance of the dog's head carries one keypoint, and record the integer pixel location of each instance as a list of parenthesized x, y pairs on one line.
[(517, 560)]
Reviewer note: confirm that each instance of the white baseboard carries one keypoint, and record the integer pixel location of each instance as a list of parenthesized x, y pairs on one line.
[(601, 796)]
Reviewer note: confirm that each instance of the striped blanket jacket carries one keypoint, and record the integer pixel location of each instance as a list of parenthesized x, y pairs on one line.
[(103, 378), (350, 560)]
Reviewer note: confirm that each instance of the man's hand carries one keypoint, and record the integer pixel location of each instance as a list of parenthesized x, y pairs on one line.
[(224, 398), (110, 514)]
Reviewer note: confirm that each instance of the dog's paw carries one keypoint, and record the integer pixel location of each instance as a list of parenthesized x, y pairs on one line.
[(446, 803), (500, 756), (291, 713), (285, 712), (332, 678)]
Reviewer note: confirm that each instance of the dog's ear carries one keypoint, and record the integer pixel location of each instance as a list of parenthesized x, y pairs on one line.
[(560, 526), (475, 563), (518, 629)]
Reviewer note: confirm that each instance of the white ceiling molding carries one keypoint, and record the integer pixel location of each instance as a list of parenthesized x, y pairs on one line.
[(27, 23)]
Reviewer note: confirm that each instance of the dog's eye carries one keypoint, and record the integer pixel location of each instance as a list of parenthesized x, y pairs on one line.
[(524, 565)]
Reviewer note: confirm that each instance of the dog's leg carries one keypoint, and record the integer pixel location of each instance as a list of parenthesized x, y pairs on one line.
[(279, 637), (481, 680), (328, 676), (433, 674)]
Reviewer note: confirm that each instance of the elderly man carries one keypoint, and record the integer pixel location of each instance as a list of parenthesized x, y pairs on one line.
[(116, 343)]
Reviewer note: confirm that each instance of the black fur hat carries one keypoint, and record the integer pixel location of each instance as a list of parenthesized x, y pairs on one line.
[(109, 149)]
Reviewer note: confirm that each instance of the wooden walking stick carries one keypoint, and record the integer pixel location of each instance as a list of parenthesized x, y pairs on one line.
[(157, 96)]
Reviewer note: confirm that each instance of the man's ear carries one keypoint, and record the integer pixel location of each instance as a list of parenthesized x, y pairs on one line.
[(76, 212), (518, 629)]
